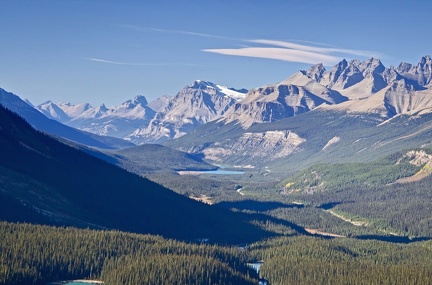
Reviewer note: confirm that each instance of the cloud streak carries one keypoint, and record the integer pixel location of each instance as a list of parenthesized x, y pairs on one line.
[(189, 33), (293, 52), (283, 54), (311, 53), (139, 64), (324, 50)]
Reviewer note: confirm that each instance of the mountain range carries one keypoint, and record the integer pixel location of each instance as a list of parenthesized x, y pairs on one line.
[(356, 109), (141, 122), (53, 127), (355, 86)]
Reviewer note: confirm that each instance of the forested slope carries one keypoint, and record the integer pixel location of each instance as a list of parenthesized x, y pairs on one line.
[(55, 182), (31, 254)]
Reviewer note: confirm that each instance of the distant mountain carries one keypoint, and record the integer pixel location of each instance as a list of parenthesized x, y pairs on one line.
[(194, 105), (46, 181), (355, 86), (294, 96), (52, 111), (357, 110), (220, 123), (42, 123), (141, 122), (118, 121), (389, 91)]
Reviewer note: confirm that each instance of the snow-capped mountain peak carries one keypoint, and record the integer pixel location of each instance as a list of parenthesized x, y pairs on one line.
[(230, 92), (52, 111), (139, 100), (74, 110)]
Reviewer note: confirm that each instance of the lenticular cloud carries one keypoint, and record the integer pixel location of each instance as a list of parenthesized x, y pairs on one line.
[(292, 52)]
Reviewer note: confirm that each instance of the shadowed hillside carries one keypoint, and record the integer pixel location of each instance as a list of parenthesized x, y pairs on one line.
[(56, 183)]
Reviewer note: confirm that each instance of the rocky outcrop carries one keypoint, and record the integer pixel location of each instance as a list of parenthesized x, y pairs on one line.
[(264, 146)]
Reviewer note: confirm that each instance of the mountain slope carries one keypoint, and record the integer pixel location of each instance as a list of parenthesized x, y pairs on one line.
[(141, 159), (42, 123), (69, 187)]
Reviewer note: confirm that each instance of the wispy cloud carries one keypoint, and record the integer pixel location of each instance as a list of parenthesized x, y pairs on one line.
[(294, 52), (317, 49), (190, 33), (291, 51), (284, 54), (139, 64)]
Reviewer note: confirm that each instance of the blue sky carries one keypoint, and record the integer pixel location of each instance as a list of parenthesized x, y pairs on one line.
[(106, 51)]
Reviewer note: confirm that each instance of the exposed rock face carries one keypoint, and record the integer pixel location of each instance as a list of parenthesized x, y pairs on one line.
[(371, 87), (418, 158), (194, 105), (296, 95), (266, 146), (342, 75)]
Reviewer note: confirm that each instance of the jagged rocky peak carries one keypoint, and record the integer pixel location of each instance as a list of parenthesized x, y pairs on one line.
[(212, 88), (372, 66), (138, 100), (201, 84), (337, 70), (425, 70), (343, 75), (420, 74), (315, 72), (99, 110)]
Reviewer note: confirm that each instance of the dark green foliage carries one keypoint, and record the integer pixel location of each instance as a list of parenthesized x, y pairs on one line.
[(37, 254), (196, 185), (141, 159), (303, 260), (71, 187), (331, 177), (32, 254)]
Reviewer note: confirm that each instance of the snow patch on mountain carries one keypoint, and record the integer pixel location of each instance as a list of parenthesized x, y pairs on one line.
[(332, 141), (52, 111), (74, 110)]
